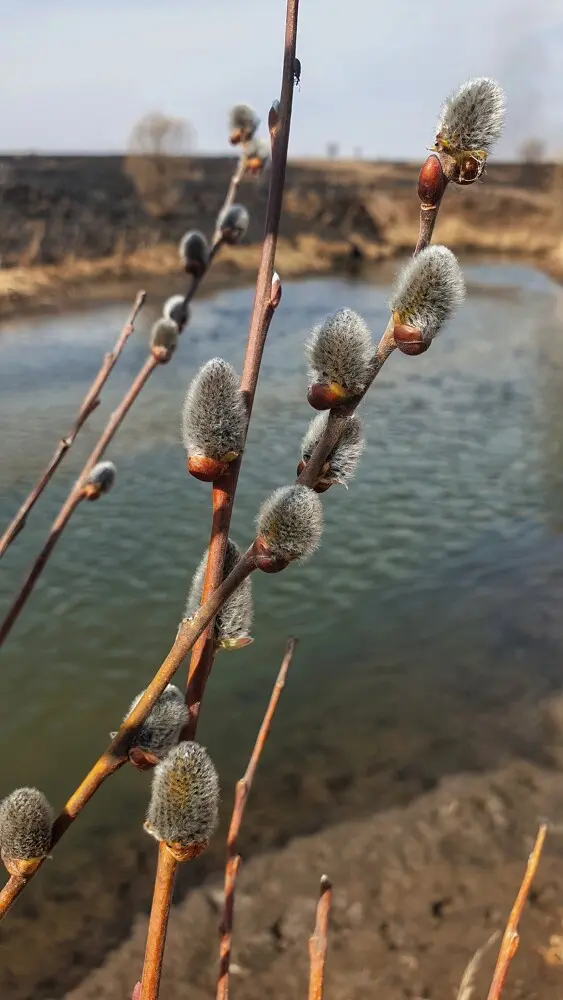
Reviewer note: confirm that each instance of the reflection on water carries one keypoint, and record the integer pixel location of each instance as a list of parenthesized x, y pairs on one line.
[(429, 620)]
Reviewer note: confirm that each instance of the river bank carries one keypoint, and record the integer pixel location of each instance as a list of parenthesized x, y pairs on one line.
[(416, 892), (75, 229)]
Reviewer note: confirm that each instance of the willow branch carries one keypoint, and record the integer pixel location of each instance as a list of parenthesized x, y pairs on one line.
[(232, 192), (76, 495), (318, 942), (241, 795), (339, 415), (511, 938), (90, 402), (117, 752), (266, 300), (158, 923)]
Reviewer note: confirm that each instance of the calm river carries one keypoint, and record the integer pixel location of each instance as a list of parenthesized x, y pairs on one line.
[(430, 620)]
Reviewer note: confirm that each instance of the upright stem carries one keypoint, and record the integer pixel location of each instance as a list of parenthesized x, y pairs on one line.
[(241, 795), (318, 942), (158, 923), (90, 402), (75, 496), (224, 489), (511, 939)]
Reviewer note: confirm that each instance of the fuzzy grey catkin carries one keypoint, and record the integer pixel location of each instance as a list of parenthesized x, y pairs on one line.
[(26, 822), (102, 476), (234, 620), (184, 802), (213, 415), (164, 334), (258, 149), (428, 291), (342, 461), (243, 117), (340, 350), (176, 309), (291, 522), (233, 223), (473, 117), (162, 727), (194, 249)]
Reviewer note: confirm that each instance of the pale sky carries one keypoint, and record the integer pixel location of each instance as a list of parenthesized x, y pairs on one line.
[(75, 75)]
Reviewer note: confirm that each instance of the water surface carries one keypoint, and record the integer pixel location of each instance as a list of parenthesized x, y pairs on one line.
[(430, 620)]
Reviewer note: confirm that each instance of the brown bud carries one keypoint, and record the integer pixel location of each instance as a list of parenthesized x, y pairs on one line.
[(300, 467), (254, 165), (161, 353), (206, 469), (235, 137), (276, 294), (182, 853), (21, 867), (143, 760), (264, 559), (462, 168), (321, 486), (409, 339), (431, 181), (325, 397)]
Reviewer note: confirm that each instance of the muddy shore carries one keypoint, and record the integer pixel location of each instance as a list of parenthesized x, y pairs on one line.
[(76, 229), (416, 892)]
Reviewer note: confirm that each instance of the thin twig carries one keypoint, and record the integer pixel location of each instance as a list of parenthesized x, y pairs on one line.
[(90, 402), (467, 985), (116, 754), (158, 923), (511, 938), (231, 193), (318, 942), (76, 495), (242, 792), (264, 306)]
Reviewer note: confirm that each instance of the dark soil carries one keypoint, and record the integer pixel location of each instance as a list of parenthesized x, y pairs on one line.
[(417, 891)]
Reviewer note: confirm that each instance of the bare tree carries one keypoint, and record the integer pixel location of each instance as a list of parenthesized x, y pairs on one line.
[(155, 146), (532, 151)]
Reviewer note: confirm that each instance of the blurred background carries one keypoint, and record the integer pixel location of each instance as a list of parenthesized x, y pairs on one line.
[(430, 620)]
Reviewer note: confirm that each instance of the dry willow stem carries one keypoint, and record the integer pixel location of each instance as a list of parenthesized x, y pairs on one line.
[(158, 923), (76, 494), (90, 402), (318, 942), (241, 795), (223, 493), (116, 754), (231, 194), (511, 938), (265, 302)]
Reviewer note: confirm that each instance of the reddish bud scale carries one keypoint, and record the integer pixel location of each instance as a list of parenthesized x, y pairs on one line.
[(321, 485), (143, 760), (21, 867), (325, 397), (276, 295), (431, 181), (195, 267), (207, 470), (161, 354), (409, 339), (264, 558), (91, 491)]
